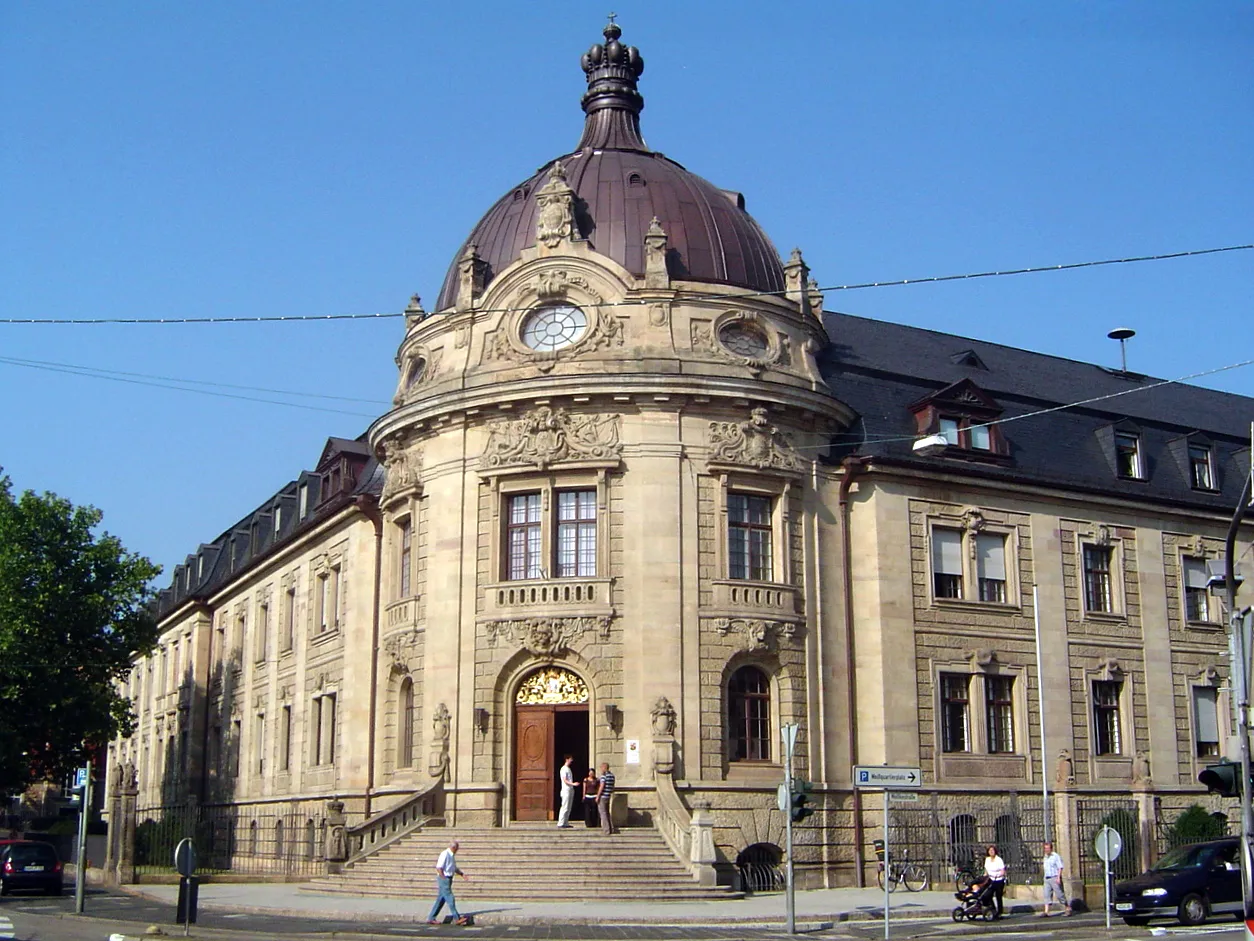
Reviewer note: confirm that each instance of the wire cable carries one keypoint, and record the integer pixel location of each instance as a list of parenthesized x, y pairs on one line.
[(315, 318)]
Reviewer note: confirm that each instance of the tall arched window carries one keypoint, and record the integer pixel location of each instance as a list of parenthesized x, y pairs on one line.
[(749, 715), (405, 725)]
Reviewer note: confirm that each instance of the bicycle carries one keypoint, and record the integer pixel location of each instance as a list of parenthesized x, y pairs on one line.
[(963, 877), (912, 875)]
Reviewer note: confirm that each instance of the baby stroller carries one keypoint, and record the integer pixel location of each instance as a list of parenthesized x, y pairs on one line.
[(976, 901)]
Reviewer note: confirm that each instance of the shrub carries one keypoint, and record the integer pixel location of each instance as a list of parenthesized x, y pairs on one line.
[(1194, 825)]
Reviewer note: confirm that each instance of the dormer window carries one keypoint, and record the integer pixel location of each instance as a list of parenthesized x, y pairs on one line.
[(1128, 455), (304, 500), (278, 519), (1201, 467), (963, 433), (966, 417)]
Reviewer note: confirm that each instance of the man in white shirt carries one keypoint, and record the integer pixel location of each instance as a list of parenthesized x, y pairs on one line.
[(445, 870), (568, 793), (1052, 864)]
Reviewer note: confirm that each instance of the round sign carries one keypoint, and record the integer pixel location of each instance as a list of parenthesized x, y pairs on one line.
[(1109, 844), (782, 798), (185, 857)]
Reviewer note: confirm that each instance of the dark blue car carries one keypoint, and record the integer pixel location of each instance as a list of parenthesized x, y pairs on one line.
[(1189, 883)]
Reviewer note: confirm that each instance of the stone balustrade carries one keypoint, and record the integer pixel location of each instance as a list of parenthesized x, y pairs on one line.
[(575, 597)]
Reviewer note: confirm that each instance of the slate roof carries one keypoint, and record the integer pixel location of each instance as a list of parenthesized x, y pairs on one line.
[(879, 369)]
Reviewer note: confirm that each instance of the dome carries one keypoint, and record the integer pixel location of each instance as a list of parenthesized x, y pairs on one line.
[(620, 186)]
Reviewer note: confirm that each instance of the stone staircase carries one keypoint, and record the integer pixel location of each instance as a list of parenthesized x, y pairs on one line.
[(526, 862)]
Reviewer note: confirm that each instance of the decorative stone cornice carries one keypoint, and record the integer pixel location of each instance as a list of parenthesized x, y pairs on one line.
[(546, 637), (547, 436), (756, 443)]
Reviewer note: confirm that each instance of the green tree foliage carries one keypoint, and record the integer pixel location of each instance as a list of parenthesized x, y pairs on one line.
[(73, 613), (1195, 825)]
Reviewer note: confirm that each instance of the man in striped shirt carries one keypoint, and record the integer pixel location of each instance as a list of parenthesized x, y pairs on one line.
[(604, 791)]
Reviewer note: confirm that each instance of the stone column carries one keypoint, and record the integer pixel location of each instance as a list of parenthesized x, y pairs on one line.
[(125, 869), (703, 854), (113, 802), (336, 850)]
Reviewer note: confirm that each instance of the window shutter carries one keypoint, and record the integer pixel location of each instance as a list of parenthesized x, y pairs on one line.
[(991, 552), (946, 552), (1206, 713), (1195, 573)]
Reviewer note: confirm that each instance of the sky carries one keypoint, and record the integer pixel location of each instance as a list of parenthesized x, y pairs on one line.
[(164, 160)]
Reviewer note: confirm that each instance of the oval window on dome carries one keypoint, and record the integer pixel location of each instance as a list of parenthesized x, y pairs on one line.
[(744, 339), (554, 328)]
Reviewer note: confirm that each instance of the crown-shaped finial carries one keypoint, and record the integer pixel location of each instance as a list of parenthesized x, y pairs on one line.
[(612, 102)]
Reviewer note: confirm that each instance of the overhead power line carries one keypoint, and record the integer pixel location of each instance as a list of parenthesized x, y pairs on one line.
[(317, 318)]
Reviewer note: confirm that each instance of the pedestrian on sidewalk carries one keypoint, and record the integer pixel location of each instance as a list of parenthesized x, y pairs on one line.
[(995, 869), (1054, 892), (591, 819), (445, 870), (568, 792), (605, 790)]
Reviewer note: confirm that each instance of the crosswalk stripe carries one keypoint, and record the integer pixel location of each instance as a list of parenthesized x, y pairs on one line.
[(6, 928)]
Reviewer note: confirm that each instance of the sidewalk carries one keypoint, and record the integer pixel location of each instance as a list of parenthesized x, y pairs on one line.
[(815, 905)]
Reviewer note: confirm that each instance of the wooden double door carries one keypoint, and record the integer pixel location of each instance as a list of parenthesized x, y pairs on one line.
[(542, 736)]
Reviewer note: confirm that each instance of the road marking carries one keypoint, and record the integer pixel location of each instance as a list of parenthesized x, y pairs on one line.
[(6, 928)]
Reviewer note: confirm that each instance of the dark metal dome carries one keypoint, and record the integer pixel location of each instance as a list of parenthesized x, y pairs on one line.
[(620, 185)]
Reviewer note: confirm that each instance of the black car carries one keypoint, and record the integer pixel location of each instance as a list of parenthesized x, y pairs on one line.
[(1189, 883), (26, 864)]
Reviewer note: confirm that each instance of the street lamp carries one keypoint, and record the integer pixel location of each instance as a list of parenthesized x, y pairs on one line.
[(932, 444)]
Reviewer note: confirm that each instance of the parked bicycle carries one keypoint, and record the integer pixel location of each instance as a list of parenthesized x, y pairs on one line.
[(963, 877), (913, 876)]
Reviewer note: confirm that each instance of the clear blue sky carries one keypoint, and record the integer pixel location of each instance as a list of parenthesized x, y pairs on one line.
[(175, 159)]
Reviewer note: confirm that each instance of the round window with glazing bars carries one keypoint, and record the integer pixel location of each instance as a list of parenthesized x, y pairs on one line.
[(554, 328), (744, 339)]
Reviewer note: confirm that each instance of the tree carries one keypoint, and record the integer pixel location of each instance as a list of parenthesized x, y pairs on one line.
[(73, 614)]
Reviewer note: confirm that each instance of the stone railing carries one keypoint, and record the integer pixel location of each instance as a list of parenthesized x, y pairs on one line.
[(424, 809), (736, 597), (689, 836), (400, 614), (574, 597)]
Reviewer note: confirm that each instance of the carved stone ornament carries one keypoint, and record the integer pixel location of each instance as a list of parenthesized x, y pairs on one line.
[(663, 715), (546, 637), (555, 284), (1197, 547), (1210, 676), (551, 686), (555, 221), (702, 336), (439, 763), (1109, 669), (759, 633), (403, 467), (1103, 536), (985, 658), (546, 436), (130, 778), (414, 314), (399, 650), (659, 315), (1141, 771), (1064, 770), (416, 371), (755, 442)]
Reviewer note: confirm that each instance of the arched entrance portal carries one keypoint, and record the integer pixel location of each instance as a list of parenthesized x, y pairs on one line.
[(550, 720)]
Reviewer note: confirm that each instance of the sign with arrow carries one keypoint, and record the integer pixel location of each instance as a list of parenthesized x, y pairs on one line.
[(886, 776)]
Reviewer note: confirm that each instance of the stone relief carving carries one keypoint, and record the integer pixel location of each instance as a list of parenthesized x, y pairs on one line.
[(336, 849), (702, 336), (983, 659), (403, 466), (555, 222), (546, 637), (759, 633), (785, 349), (1064, 770), (417, 370), (659, 316), (555, 284), (1141, 771), (439, 763), (399, 649), (663, 715), (546, 436), (755, 442), (461, 337)]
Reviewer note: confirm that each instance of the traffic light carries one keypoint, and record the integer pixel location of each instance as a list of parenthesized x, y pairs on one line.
[(800, 797), (1223, 779)]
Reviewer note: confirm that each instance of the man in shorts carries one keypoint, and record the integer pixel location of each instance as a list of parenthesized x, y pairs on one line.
[(1054, 892)]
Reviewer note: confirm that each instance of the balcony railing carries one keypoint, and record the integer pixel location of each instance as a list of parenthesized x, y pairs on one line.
[(558, 596), (735, 597)]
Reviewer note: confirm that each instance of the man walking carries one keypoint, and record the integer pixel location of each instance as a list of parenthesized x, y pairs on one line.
[(568, 793), (605, 790), (445, 869), (1052, 864)]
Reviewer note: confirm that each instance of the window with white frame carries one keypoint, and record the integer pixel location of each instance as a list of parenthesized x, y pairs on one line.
[(576, 533), (1098, 594), (322, 744), (1201, 467), (990, 566), (955, 712), (261, 642), (1206, 721), (289, 618), (947, 563), (970, 563), (554, 531), (1197, 606), (327, 597), (1107, 725), (749, 537), (524, 555), (1128, 455)]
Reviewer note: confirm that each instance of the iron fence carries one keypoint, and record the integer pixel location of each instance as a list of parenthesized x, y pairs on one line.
[(276, 842), (1168, 834), (1122, 815)]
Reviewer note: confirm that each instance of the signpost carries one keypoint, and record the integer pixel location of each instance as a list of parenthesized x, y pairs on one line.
[(84, 809), (890, 778), (789, 735), (189, 885), (1109, 844)]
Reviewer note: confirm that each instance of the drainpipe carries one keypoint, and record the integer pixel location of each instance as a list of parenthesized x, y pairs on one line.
[(852, 467), (369, 506)]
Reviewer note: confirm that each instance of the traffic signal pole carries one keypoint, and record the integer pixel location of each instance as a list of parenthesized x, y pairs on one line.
[(1241, 679), (790, 739)]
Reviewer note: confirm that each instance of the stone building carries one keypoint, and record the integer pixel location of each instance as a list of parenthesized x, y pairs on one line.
[(642, 500)]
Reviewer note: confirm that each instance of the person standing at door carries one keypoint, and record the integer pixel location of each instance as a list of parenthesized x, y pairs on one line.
[(445, 870), (591, 819), (605, 790), (568, 792)]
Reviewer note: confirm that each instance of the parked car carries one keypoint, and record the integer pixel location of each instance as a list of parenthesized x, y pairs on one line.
[(1189, 882), (27, 864)]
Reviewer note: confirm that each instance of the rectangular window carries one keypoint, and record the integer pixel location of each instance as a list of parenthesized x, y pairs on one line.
[(1196, 595), (576, 533), (1107, 739), (1128, 455), (278, 519), (1206, 721), (990, 566), (285, 739), (1201, 471), (289, 618), (263, 631), (749, 537), (955, 715), (303, 501), (1097, 595), (406, 556), (237, 642), (948, 429), (524, 554), (315, 740), (323, 598), (333, 615), (328, 727), (237, 733), (260, 742), (947, 563), (981, 437), (999, 701)]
